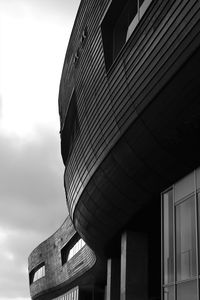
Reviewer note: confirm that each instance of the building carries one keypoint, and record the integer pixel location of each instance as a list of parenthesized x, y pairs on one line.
[(130, 123)]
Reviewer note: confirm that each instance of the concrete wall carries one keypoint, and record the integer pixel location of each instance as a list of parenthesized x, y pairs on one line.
[(56, 274)]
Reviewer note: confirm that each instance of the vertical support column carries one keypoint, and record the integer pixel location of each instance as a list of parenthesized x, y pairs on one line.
[(113, 279), (134, 267)]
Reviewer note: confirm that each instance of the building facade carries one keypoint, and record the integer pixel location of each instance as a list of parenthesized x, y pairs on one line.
[(130, 123)]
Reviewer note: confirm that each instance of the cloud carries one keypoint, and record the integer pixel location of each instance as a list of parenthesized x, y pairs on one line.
[(13, 277), (32, 203), (31, 179), (43, 9)]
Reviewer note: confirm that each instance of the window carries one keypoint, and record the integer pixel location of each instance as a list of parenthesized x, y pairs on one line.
[(37, 273), (77, 247), (179, 236), (118, 24), (187, 290), (168, 248), (71, 248), (70, 130), (185, 240)]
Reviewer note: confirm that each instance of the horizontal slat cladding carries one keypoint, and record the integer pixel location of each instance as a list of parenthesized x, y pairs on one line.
[(49, 252), (67, 78), (109, 103)]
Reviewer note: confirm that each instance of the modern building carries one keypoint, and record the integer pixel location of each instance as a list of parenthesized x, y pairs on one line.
[(130, 125)]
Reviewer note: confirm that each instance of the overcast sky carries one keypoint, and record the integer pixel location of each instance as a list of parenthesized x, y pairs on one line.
[(33, 39)]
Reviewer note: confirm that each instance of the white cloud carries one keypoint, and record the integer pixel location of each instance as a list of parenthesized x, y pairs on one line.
[(30, 77)]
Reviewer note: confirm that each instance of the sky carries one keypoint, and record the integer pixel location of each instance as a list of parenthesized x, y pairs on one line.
[(33, 40)]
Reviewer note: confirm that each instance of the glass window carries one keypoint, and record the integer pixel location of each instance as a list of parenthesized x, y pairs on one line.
[(76, 248), (185, 240), (168, 256), (39, 273), (187, 290)]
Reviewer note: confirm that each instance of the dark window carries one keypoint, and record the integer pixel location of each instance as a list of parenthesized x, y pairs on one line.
[(118, 25), (37, 273), (70, 130), (71, 248)]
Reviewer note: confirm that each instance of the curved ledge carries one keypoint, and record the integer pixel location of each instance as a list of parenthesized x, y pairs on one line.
[(82, 269)]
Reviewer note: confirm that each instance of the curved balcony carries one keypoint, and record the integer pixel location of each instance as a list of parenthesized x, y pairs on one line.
[(62, 262), (138, 118)]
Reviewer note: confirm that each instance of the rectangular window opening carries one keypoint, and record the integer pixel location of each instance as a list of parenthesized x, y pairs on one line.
[(118, 25)]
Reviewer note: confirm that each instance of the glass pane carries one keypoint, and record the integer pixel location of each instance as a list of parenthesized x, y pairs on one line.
[(185, 240), (169, 293), (168, 256), (187, 291)]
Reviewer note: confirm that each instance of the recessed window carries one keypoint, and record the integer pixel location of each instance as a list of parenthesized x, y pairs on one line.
[(37, 273), (76, 248), (70, 129), (71, 248), (118, 24)]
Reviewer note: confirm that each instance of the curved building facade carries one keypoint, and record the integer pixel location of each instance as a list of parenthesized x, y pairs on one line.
[(64, 267), (130, 123)]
